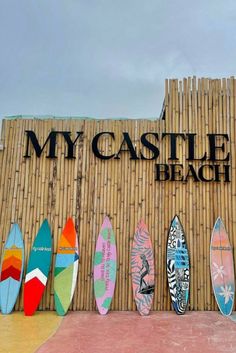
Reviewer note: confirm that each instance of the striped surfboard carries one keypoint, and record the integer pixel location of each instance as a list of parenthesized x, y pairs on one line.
[(38, 269), (66, 268), (178, 268), (11, 269)]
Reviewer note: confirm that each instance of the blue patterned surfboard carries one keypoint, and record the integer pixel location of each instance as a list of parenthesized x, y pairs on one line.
[(178, 266), (11, 269)]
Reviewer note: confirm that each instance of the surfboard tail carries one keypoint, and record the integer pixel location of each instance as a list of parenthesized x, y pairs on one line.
[(31, 301)]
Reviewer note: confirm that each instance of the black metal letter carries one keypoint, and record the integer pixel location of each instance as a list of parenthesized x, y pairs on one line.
[(150, 146), (95, 145), (70, 143), (130, 146), (191, 173), (214, 147), (162, 169), (191, 149), (173, 138), (201, 172), (226, 173), (176, 172), (38, 149)]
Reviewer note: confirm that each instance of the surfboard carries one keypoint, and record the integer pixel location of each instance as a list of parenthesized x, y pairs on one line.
[(142, 269), (178, 266), (105, 267), (11, 269), (222, 268), (66, 268), (37, 269)]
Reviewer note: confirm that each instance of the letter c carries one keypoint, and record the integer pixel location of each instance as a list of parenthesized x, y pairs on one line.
[(95, 145)]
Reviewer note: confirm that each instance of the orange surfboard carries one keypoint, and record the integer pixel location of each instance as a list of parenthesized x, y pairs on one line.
[(66, 268)]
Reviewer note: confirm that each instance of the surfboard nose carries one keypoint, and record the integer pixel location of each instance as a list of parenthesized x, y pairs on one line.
[(106, 222), (142, 224)]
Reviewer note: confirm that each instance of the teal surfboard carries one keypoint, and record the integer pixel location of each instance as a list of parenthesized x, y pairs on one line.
[(37, 269)]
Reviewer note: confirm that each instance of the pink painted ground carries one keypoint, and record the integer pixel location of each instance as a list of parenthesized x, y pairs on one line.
[(128, 332)]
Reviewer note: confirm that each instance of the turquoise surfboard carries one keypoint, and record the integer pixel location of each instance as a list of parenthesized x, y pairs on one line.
[(37, 269)]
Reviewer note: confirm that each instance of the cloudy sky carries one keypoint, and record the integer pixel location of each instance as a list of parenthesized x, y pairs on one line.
[(103, 58)]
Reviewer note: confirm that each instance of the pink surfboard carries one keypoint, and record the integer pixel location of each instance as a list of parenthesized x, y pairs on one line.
[(222, 268), (105, 267), (142, 267)]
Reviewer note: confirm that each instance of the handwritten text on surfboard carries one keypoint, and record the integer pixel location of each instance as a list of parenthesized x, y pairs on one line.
[(205, 162), (106, 257)]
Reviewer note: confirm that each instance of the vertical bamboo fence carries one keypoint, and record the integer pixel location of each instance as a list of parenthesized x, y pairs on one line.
[(88, 188)]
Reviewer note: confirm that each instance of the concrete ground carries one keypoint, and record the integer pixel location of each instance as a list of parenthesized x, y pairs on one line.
[(123, 332)]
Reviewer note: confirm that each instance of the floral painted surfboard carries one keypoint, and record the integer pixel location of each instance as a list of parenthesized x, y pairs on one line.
[(105, 267), (142, 268), (66, 268), (222, 268), (178, 266)]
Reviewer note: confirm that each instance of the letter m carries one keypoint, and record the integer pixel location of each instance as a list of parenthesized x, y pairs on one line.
[(31, 137)]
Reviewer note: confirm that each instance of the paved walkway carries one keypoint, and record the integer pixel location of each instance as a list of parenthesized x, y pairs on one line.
[(24, 334), (123, 332), (128, 332)]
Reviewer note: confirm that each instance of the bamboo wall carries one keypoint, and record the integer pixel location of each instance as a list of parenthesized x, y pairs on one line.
[(88, 188)]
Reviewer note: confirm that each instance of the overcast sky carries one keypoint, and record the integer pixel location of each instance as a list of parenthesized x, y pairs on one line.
[(104, 58)]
